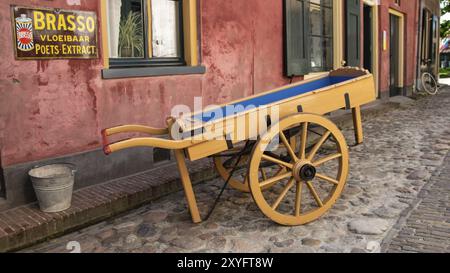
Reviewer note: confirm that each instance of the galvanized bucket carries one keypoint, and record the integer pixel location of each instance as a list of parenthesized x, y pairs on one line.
[(53, 185)]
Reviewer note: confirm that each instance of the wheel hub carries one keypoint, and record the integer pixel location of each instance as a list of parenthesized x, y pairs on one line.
[(307, 172), (304, 172)]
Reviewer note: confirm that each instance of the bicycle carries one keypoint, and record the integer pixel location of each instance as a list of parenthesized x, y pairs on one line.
[(429, 83)]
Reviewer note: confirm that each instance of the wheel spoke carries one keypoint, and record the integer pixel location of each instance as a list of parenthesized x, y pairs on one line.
[(326, 159), (298, 198), (229, 164), (277, 161), (263, 174), (314, 193), (281, 170), (318, 145), (283, 194), (293, 142), (288, 147), (328, 179), (274, 180), (303, 139)]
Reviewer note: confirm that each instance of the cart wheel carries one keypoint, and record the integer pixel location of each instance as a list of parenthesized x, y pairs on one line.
[(317, 161), (239, 181)]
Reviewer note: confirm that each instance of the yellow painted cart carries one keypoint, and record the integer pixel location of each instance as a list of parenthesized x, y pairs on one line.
[(295, 163)]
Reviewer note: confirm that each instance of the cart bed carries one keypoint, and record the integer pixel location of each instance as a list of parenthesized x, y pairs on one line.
[(271, 98)]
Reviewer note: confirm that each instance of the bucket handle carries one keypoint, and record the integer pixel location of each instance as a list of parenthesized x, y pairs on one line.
[(72, 166)]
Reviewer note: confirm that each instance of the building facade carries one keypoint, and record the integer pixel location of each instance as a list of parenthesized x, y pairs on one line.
[(398, 31), (429, 37), (150, 55)]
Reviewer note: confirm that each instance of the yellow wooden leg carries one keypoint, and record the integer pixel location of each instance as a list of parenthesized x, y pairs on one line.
[(357, 123), (187, 185)]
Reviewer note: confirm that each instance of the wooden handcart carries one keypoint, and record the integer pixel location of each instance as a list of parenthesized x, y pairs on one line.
[(295, 170)]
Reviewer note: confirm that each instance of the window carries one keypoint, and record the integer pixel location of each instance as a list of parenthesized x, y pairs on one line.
[(321, 21), (145, 33), (309, 36), (434, 38), (429, 37)]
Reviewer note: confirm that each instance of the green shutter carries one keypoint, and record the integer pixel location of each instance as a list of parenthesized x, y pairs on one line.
[(353, 27), (297, 39)]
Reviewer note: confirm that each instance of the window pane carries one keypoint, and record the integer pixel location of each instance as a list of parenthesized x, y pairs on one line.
[(328, 54), (327, 22), (166, 28), (126, 29), (321, 21), (316, 20), (316, 53), (327, 3), (321, 54)]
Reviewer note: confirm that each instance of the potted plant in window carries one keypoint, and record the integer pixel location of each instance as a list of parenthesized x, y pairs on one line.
[(131, 42)]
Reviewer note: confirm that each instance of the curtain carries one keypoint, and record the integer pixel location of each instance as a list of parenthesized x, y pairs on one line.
[(165, 30), (114, 15)]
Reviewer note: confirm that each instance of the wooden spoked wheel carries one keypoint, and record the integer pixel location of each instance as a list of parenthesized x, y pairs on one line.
[(316, 167), (224, 165), (225, 162)]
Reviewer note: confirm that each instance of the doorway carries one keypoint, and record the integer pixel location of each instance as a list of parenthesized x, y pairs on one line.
[(394, 51), (368, 38), (371, 40)]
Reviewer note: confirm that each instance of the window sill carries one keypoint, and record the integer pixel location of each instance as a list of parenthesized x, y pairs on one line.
[(133, 72)]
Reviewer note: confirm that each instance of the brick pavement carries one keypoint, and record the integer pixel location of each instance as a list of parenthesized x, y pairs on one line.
[(426, 227)]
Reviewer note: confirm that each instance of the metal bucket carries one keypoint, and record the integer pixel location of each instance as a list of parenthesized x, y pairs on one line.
[(53, 185)]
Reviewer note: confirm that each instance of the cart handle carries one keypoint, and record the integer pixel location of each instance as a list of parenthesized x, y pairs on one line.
[(148, 142), (135, 129), (109, 148)]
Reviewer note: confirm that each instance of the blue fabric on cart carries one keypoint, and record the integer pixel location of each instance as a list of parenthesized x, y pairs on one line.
[(269, 98)]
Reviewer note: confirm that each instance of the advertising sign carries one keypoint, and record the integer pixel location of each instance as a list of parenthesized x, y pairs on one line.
[(41, 33)]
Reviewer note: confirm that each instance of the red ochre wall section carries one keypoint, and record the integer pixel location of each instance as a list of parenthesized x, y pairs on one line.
[(51, 108)]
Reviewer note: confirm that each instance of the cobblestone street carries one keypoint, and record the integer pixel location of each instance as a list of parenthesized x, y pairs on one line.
[(396, 199), (427, 226)]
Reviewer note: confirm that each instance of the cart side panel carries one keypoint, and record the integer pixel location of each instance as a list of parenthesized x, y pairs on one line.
[(206, 149), (243, 127), (359, 92)]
